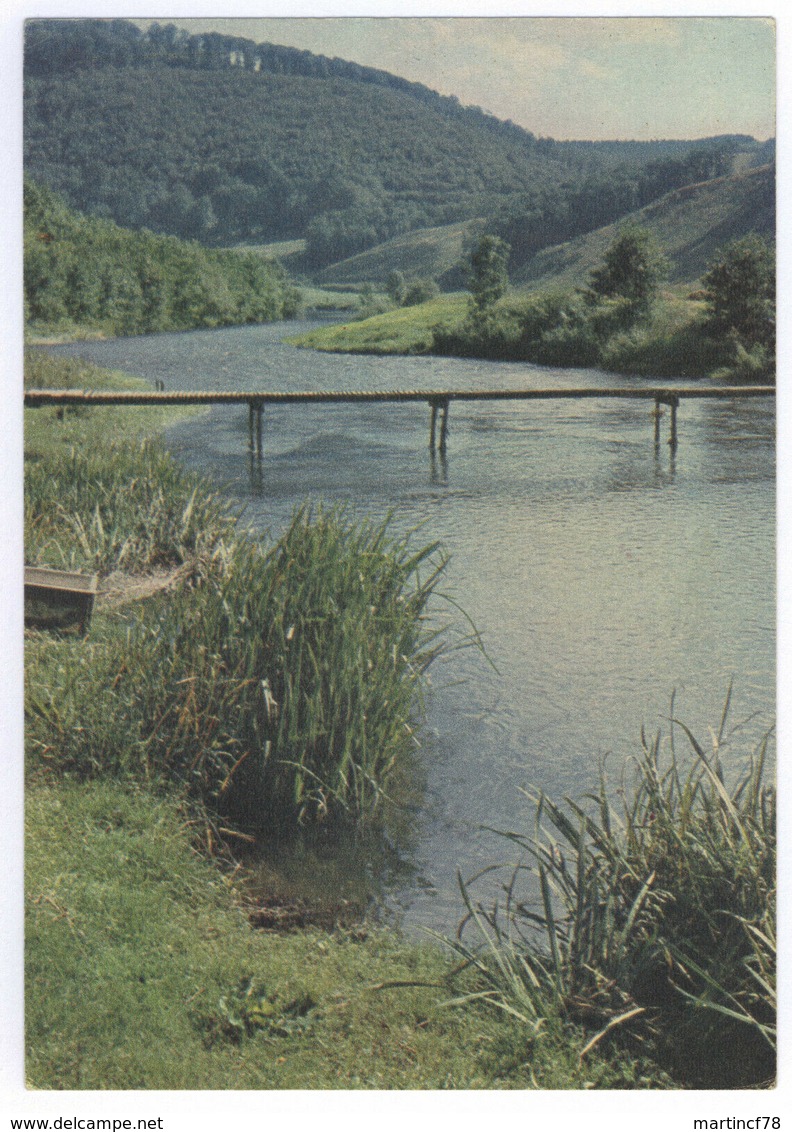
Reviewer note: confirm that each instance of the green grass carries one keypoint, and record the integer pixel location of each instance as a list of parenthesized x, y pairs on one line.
[(278, 249), (100, 494), (406, 330), (426, 253), (142, 972), (322, 299)]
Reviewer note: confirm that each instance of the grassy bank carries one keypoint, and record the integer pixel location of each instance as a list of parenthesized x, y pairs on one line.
[(144, 973), (406, 330), (552, 329)]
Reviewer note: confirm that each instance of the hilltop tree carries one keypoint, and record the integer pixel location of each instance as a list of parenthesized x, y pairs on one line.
[(395, 286)]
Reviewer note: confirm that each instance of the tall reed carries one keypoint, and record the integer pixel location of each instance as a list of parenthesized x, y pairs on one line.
[(654, 910), (280, 686), (126, 505)]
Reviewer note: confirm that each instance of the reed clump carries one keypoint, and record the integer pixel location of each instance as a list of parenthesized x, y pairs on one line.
[(123, 506), (101, 494), (651, 917), (279, 685)]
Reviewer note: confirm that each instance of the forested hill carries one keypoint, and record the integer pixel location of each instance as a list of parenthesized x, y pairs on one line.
[(223, 140)]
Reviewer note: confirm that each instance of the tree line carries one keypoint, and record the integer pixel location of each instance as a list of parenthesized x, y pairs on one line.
[(615, 320), (93, 273)]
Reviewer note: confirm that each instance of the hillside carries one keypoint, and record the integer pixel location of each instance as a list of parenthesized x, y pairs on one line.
[(689, 224), (224, 141), (258, 158), (83, 273), (427, 253)]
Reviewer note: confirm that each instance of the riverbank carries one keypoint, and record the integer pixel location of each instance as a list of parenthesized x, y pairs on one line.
[(552, 329), (185, 993), (143, 972), (118, 836)]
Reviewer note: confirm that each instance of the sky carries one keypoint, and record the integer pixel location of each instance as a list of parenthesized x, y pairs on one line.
[(589, 78)]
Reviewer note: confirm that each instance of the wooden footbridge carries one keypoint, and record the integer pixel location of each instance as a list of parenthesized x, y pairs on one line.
[(438, 402)]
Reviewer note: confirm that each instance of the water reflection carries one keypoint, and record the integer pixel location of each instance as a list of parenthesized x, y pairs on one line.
[(438, 463)]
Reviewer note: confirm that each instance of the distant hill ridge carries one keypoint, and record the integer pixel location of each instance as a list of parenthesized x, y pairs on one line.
[(219, 139), (71, 45)]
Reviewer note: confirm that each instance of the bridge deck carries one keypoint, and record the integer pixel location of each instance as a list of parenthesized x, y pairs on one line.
[(664, 394), (438, 400)]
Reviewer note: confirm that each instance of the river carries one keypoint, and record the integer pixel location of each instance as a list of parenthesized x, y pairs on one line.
[(602, 573)]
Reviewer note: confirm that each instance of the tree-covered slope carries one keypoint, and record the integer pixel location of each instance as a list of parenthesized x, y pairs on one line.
[(222, 140), (243, 156), (92, 273)]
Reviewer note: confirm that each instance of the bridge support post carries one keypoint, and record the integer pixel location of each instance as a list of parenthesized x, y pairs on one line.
[(442, 404), (657, 415), (255, 426), (673, 438), (444, 426)]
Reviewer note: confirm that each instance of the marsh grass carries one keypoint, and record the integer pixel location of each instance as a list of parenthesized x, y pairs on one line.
[(651, 915)]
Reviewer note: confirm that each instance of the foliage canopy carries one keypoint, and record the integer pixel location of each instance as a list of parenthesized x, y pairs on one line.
[(740, 292), (633, 269)]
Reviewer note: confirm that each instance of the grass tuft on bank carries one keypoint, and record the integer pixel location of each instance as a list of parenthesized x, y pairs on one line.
[(649, 907)]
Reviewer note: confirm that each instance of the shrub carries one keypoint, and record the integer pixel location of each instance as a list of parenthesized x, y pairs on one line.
[(421, 291)]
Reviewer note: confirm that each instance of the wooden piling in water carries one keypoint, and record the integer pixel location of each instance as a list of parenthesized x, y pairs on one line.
[(433, 426), (673, 440), (444, 425), (255, 427)]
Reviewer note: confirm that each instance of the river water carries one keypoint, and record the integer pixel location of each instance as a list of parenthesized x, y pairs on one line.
[(603, 574)]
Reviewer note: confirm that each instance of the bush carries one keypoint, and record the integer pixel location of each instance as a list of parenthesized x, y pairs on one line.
[(661, 351), (421, 291)]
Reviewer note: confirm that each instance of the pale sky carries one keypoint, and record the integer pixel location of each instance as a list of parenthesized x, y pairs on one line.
[(565, 78)]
